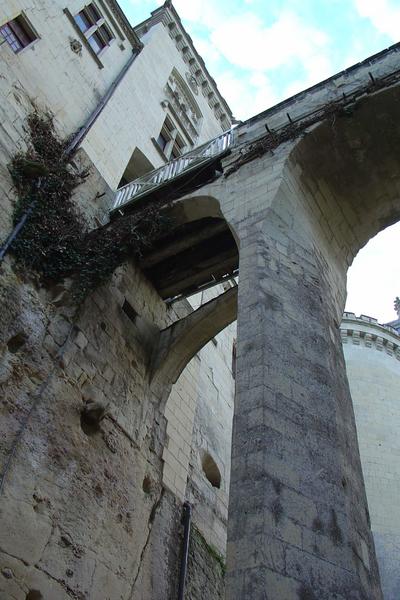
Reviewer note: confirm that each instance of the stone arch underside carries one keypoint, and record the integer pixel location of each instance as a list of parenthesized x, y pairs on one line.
[(137, 166), (355, 180), (196, 250)]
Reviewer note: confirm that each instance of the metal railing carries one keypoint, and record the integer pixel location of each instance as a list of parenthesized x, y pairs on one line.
[(177, 167)]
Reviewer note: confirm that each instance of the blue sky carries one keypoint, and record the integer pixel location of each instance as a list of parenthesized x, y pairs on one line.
[(263, 51)]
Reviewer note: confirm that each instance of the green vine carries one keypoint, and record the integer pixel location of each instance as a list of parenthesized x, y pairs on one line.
[(55, 241)]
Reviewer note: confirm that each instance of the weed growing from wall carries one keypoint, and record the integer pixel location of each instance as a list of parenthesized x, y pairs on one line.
[(55, 241)]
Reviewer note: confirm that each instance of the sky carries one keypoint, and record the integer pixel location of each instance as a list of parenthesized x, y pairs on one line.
[(263, 51)]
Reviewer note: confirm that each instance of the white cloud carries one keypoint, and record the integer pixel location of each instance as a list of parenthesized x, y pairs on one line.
[(383, 15), (373, 278), (318, 69), (203, 12), (246, 96), (141, 2), (247, 43), (208, 53)]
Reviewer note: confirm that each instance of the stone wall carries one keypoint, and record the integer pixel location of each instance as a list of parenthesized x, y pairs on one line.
[(78, 507), (83, 513), (199, 412)]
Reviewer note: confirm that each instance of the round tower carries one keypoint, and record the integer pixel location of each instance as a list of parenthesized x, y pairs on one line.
[(372, 354)]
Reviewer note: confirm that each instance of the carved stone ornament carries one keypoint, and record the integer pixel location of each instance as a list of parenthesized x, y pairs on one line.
[(76, 47), (191, 79)]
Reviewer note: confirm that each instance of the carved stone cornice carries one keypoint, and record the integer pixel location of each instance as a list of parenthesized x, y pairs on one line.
[(124, 24), (366, 332)]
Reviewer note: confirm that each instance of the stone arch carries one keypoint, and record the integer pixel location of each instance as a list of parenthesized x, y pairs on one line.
[(179, 343), (183, 339), (355, 181), (354, 187), (174, 368), (313, 203), (199, 206)]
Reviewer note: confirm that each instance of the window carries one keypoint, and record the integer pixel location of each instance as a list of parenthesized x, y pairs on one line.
[(162, 141), (92, 25), (170, 141), (18, 33), (210, 470), (177, 148)]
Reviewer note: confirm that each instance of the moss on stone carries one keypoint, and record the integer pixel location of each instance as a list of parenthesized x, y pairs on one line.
[(210, 549)]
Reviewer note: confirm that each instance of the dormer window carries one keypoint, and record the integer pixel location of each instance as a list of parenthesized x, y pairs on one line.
[(92, 25), (18, 33)]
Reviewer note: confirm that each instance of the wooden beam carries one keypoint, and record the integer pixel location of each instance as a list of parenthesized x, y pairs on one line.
[(184, 283), (182, 243), (192, 258)]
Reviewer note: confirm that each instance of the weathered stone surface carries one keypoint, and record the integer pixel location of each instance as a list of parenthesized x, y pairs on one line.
[(206, 570), (373, 369)]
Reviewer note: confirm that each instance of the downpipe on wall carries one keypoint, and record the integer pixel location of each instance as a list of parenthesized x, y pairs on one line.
[(14, 234), (187, 519)]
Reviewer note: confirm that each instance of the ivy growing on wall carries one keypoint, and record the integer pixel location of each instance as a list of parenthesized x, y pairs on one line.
[(55, 241)]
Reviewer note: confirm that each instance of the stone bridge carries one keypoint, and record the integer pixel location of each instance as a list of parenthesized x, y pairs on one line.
[(300, 189)]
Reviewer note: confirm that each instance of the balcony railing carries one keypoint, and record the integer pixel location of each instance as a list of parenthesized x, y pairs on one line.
[(172, 170)]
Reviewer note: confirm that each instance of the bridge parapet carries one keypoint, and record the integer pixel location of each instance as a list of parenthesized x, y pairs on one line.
[(345, 87)]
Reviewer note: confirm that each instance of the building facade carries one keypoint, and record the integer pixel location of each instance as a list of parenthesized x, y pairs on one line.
[(95, 512)]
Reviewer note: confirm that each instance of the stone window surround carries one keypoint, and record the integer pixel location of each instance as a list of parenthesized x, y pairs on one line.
[(83, 37), (30, 29), (94, 27), (183, 106)]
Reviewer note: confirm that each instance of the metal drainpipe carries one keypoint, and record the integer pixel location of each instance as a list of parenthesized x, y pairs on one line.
[(77, 139), (71, 148), (7, 244), (187, 518)]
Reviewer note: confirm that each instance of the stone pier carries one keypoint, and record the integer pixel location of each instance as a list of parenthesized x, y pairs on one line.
[(298, 517)]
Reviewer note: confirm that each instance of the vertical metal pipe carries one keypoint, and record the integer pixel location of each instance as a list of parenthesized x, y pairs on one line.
[(7, 244), (187, 518)]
